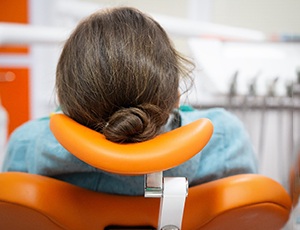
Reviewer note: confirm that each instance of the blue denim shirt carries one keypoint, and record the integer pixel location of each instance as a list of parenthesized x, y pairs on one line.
[(32, 148)]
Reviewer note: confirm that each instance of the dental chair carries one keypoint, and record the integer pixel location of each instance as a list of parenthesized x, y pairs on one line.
[(240, 202)]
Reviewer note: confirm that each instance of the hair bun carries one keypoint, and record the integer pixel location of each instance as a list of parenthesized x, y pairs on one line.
[(134, 124)]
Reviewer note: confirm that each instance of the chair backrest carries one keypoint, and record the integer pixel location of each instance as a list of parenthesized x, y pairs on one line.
[(248, 202), (238, 202)]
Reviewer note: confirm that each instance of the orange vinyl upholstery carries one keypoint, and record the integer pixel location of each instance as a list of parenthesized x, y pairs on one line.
[(248, 201), (241, 202), (135, 158)]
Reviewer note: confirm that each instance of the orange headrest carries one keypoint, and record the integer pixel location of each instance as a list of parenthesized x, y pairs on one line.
[(158, 154)]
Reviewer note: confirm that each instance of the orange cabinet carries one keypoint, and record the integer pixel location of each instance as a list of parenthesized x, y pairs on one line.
[(14, 11), (14, 93), (14, 80)]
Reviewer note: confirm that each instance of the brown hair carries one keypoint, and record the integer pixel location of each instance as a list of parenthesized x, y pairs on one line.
[(119, 74)]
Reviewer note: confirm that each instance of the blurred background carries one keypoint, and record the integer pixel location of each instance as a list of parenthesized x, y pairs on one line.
[(247, 56)]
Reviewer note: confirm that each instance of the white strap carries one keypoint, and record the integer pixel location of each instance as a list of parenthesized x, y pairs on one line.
[(175, 190)]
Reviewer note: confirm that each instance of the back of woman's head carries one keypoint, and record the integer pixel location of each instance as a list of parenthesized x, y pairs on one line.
[(119, 74)]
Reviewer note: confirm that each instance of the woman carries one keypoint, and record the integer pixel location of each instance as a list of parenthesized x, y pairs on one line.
[(119, 75)]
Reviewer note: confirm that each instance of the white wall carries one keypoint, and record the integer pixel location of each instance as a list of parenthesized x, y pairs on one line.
[(265, 15)]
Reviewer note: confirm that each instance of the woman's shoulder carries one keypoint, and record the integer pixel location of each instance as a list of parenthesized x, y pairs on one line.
[(31, 129), (20, 150), (220, 117), (190, 111)]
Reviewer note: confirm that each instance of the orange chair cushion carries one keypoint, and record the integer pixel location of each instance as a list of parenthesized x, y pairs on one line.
[(248, 202), (158, 154)]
